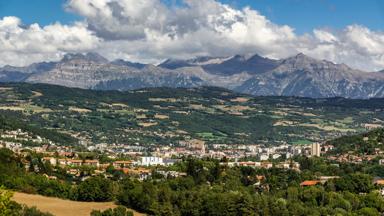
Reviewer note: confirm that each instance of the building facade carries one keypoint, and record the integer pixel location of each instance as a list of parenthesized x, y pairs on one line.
[(315, 149)]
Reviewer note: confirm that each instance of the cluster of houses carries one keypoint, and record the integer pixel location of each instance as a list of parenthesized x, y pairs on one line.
[(265, 164), (70, 162), (198, 148), (352, 157), (12, 139), (194, 147), (264, 152), (144, 161), (140, 168)]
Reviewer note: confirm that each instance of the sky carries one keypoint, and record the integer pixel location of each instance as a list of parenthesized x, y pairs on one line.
[(149, 31)]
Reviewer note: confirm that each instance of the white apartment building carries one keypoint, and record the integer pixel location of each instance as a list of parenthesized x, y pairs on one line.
[(151, 161)]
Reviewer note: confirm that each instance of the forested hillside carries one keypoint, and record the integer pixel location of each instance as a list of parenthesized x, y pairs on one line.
[(163, 116), (365, 143)]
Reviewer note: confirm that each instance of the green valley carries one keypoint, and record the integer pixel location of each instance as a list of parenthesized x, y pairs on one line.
[(163, 116)]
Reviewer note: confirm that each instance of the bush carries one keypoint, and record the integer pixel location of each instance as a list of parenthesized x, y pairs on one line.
[(119, 211)]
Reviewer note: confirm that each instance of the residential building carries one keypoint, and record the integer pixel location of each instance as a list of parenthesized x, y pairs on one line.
[(50, 160), (151, 161), (75, 162), (94, 163), (122, 164), (264, 157), (169, 161), (315, 149)]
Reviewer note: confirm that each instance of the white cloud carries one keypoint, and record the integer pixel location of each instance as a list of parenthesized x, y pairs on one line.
[(21, 45), (356, 46), (125, 19), (324, 36), (150, 31)]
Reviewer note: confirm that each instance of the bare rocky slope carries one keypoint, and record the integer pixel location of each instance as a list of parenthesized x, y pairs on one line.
[(299, 75)]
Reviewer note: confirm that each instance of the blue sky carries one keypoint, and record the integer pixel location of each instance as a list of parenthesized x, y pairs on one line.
[(305, 15), (302, 15), (43, 12)]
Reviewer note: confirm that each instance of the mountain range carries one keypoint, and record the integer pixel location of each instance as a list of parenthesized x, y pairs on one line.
[(298, 75)]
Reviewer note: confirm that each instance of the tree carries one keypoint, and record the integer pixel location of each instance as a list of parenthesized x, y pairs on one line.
[(119, 211), (11, 208), (195, 168), (335, 200), (141, 197), (5, 202), (95, 189), (292, 193), (368, 212), (33, 211), (374, 200), (355, 183)]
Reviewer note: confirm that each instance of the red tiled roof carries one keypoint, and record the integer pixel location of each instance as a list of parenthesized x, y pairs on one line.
[(91, 161), (76, 161), (123, 162), (260, 177), (310, 183)]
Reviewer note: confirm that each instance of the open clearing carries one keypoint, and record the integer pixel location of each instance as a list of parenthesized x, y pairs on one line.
[(327, 127), (80, 110), (27, 107), (60, 207)]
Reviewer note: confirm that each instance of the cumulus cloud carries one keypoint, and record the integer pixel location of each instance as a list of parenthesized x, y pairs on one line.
[(21, 45), (356, 46), (151, 31), (121, 19)]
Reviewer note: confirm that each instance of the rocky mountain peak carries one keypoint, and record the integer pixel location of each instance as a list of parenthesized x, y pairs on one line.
[(240, 58), (121, 62), (89, 57), (174, 63), (303, 62), (301, 58), (299, 75)]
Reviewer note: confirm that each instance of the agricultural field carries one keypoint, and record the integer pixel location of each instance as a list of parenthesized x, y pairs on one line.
[(163, 116)]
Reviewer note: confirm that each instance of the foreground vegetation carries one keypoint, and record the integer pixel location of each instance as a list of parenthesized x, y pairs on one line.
[(11, 208), (119, 211), (211, 188)]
